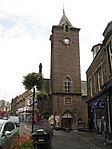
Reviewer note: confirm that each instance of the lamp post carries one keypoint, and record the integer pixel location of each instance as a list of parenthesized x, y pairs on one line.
[(33, 109)]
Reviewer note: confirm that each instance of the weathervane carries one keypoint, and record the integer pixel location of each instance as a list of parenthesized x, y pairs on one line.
[(63, 7)]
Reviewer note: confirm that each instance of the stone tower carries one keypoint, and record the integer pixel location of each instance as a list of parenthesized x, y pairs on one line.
[(65, 73)]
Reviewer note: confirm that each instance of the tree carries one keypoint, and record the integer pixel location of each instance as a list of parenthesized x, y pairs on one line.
[(33, 79), (42, 96), (36, 79)]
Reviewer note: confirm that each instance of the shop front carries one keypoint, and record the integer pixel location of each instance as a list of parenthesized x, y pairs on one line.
[(23, 113), (96, 110)]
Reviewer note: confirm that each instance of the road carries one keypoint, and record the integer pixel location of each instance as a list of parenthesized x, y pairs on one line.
[(64, 140), (73, 139)]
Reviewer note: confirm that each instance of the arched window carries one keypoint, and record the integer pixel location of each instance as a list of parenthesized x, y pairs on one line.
[(67, 82), (66, 28)]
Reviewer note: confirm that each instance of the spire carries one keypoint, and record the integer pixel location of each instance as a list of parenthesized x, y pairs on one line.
[(64, 20)]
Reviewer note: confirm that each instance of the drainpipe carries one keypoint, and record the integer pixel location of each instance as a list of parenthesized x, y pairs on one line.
[(108, 112)]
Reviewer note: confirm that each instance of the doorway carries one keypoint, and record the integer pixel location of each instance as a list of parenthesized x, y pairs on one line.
[(67, 120)]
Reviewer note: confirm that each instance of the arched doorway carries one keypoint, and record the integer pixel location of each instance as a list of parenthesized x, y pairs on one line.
[(67, 120)]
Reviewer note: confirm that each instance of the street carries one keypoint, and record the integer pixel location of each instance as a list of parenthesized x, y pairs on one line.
[(64, 140), (79, 140), (73, 139)]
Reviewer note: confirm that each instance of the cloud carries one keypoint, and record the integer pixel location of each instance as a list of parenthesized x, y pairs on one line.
[(14, 26)]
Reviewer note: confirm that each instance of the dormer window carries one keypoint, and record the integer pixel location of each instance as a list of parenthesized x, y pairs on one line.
[(96, 49)]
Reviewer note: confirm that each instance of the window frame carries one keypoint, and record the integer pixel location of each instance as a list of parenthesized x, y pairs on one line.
[(110, 56), (67, 85)]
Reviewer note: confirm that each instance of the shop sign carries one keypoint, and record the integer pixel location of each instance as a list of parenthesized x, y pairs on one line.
[(99, 103), (26, 108)]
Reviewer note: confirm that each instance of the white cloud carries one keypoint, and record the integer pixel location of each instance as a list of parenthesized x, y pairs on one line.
[(12, 26)]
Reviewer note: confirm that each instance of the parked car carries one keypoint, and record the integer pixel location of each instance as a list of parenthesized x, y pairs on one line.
[(8, 131), (5, 118), (14, 119)]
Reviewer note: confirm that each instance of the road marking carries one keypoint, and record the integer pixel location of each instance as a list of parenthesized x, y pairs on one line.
[(88, 141)]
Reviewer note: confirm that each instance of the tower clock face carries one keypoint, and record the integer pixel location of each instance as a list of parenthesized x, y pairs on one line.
[(66, 40)]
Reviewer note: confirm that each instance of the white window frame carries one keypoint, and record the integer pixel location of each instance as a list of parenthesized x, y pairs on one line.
[(67, 85)]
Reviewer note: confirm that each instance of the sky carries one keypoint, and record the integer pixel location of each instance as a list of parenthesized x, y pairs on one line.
[(25, 28)]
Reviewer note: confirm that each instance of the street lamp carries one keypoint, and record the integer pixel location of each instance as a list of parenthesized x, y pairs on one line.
[(33, 104)]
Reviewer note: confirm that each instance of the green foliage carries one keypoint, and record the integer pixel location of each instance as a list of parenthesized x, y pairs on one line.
[(46, 115), (24, 141), (42, 96), (27, 145), (33, 79)]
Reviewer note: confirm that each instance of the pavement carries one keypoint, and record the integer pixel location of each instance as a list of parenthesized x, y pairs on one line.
[(96, 140)]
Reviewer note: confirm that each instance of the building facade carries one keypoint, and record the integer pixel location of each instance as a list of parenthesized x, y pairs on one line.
[(99, 82), (5, 108), (66, 95), (20, 105)]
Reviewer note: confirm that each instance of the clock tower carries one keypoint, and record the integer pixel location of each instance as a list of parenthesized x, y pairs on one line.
[(65, 74)]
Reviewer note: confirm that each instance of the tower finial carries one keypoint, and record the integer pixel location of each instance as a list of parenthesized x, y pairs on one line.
[(64, 19), (63, 8)]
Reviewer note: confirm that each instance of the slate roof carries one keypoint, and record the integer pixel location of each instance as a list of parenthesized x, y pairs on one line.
[(64, 20), (84, 88), (107, 29)]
